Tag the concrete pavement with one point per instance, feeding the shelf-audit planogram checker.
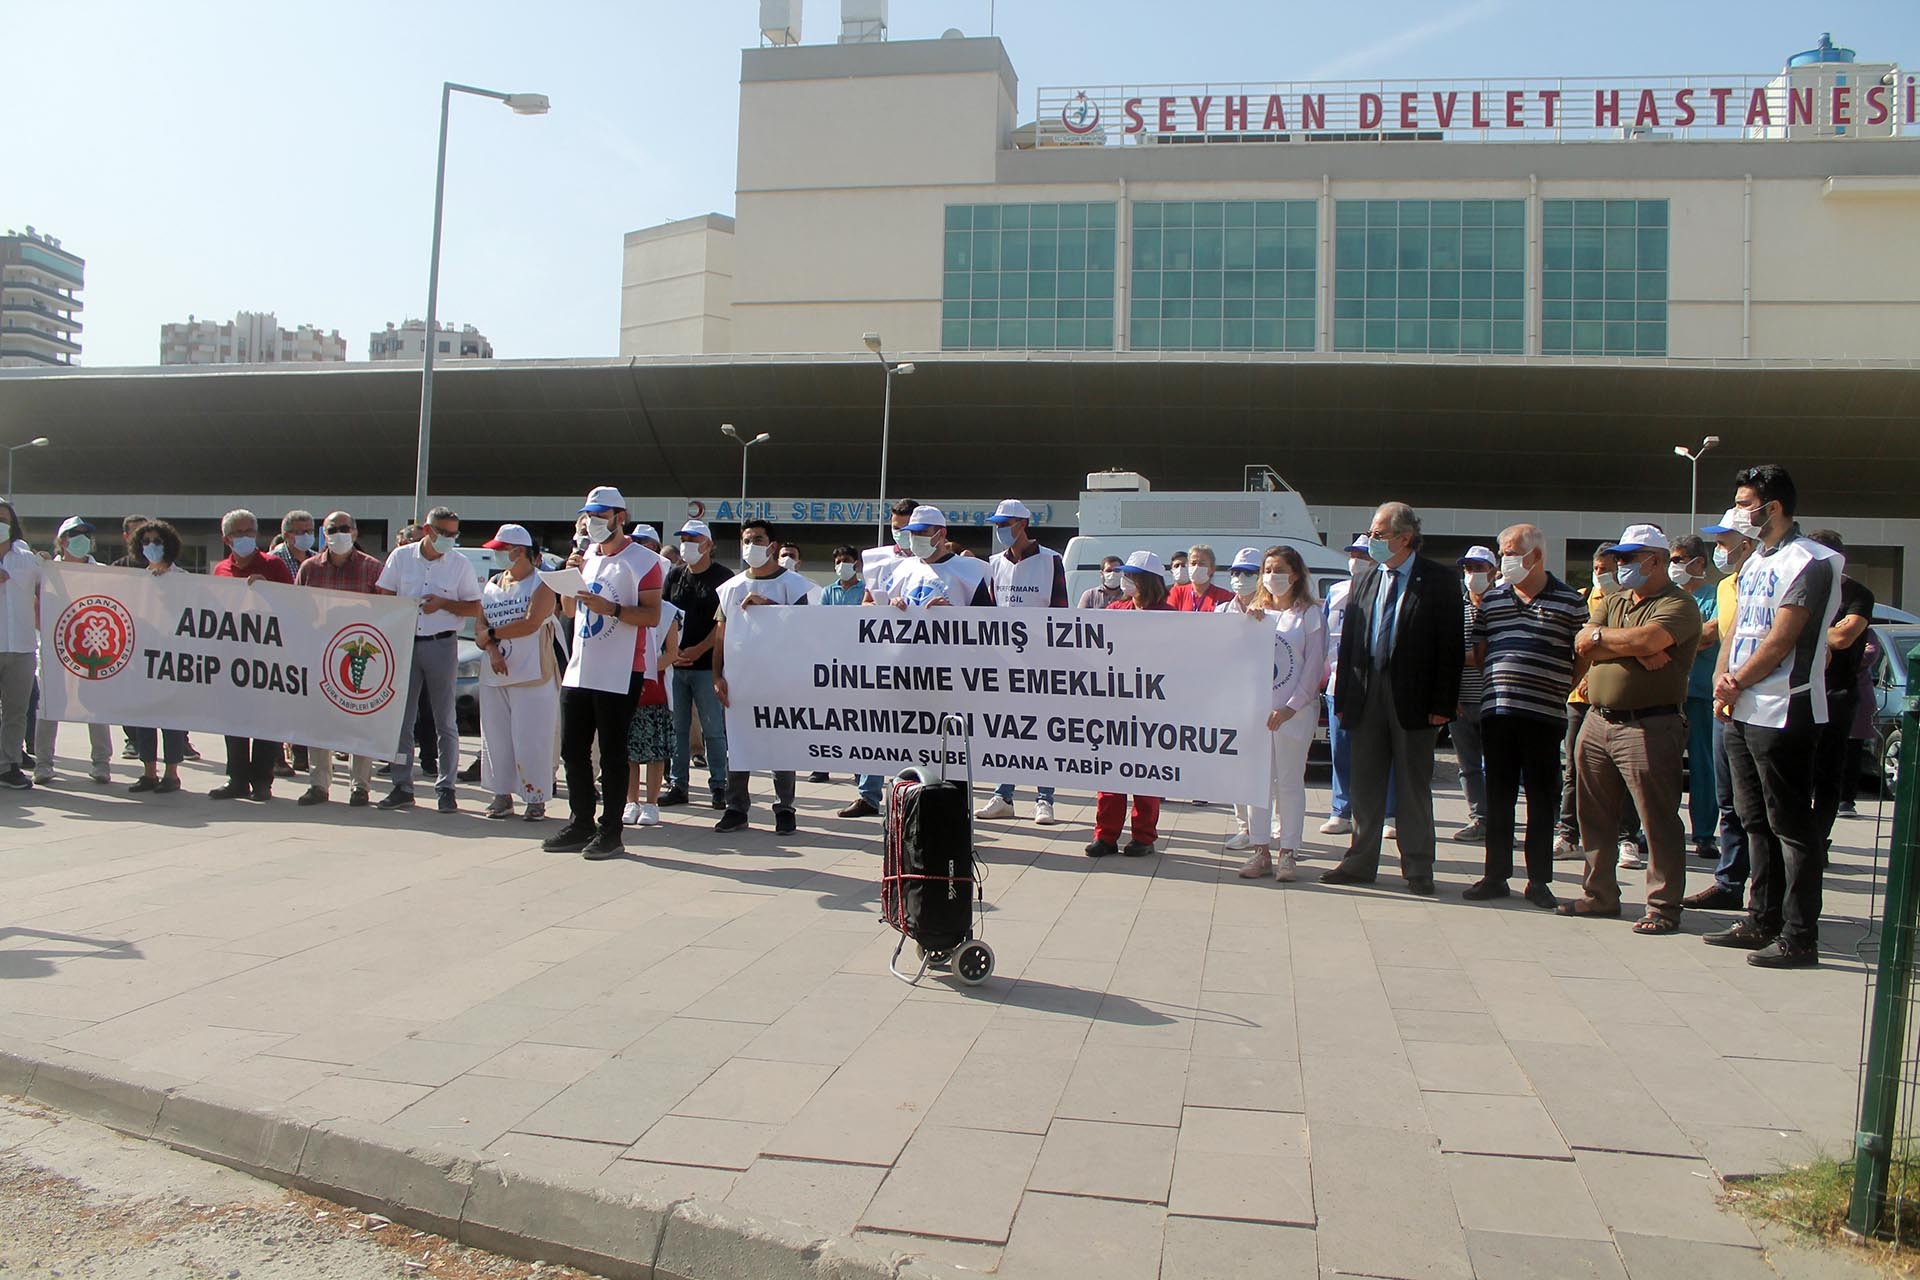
(1172, 1073)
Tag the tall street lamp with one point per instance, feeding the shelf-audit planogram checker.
(523, 104)
(726, 429)
(38, 442)
(886, 421)
(1693, 456)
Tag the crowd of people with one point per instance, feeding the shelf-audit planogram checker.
(1604, 705)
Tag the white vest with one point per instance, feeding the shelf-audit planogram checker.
(502, 604)
(1024, 584)
(1764, 582)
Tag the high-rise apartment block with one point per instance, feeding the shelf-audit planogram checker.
(251, 337)
(39, 284)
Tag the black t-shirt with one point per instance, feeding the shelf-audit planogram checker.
(1843, 665)
(697, 596)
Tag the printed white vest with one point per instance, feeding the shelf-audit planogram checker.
(1026, 584)
(1764, 582)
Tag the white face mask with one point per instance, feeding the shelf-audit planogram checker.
(79, 546)
(1179, 574)
(1128, 587)
(1277, 584)
(691, 551)
(1678, 575)
(755, 553)
(902, 539)
(340, 543)
(1605, 583)
(1110, 579)
(1479, 582)
(1743, 522)
(1200, 575)
(303, 542)
(598, 530)
(846, 571)
(1354, 564)
(6, 533)
(1513, 568)
(921, 544)
(788, 562)
(1243, 583)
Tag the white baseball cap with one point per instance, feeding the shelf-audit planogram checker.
(603, 499)
(696, 529)
(925, 518)
(1011, 509)
(645, 533)
(510, 535)
(1727, 523)
(1638, 538)
(74, 524)
(1482, 554)
(1246, 560)
(1144, 562)
(1359, 544)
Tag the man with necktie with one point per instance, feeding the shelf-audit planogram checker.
(1401, 654)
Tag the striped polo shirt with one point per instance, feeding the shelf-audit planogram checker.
(1529, 663)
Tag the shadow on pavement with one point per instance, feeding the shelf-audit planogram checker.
(37, 962)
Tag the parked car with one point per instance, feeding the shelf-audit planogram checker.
(1893, 673)
(1888, 613)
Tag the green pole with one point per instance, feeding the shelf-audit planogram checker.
(1886, 1036)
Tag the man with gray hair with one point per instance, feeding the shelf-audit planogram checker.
(250, 761)
(448, 589)
(1401, 654)
(296, 539)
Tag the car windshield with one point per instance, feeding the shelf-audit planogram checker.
(1899, 643)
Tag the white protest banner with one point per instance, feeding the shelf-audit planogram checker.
(185, 651)
(1161, 704)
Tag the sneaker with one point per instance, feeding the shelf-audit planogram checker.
(997, 807)
(572, 838)
(699, 761)
(536, 812)
(500, 809)
(129, 752)
(358, 799)
(1285, 867)
(311, 796)
(190, 751)
(630, 814)
(16, 780)
(1137, 848)
(1239, 840)
(1784, 955)
(1043, 813)
(1567, 849)
(471, 773)
(672, 796)
(236, 791)
(649, 816)
(1475, 832)
(1101, 849)
(858, 809)
(43, 777)
(731, 820)
(445, 803)
(1256, 867)
(1631, 859)
(1390, 832)
(784, 822)
(1336, 826)
(1848, 809)
(604, 845)
(100, 776)
(397, 799)
(1744, 936)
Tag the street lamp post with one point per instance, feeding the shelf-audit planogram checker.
(522, 104)
(38, 442)
(886, 421)
(1693, 457)
(726, 429)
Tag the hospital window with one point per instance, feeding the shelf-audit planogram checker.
(1603, 278)
(1223, 275)
(1028, 277)
(1440, 276)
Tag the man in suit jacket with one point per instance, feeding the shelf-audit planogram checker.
(1399, 680)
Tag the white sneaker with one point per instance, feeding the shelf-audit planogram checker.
(101, 776)
(1336, 826)
(1042, 812)
(998, 807)
(1283, 866)
(1390, 832)
(1239, 840)
(43, 777)
(649, 816)
(1630, 857)
(630, 815)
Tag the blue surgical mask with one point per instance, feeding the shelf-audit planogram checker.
(1379, 550)
(79, 546)
(1722, 559)
(244, 547)
(153, 551)
(303, 542)
(1003, 536)
(6, 533)
(1631, 577)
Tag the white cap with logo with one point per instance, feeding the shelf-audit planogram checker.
(696, 529)
(1011, 509)
(1638, 538)
(602, 499)
(925, 518)
(1143, 562)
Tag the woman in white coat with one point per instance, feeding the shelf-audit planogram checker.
(1285, 601)
(519, 690)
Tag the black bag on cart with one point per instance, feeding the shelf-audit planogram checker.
(932, 835)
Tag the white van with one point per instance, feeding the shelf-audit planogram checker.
(1120, 513)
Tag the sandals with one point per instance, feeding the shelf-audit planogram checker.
(1584, 907)
(1653, 924)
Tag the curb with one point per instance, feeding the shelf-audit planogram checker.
(470, 1197)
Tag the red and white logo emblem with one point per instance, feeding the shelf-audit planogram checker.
(94, 637)
(358, 673)
(1081, 114)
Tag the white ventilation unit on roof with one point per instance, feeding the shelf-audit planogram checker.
(780, 22)
(863, 21)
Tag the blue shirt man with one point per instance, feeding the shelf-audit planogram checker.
(846, 588)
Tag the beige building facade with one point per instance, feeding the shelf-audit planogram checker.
(251, 337)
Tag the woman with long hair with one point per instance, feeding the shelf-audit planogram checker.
(157, 546)
(1285, 602)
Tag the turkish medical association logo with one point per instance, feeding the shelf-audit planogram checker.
(94, 637)
(357, 675)
(591, 623)
(1081, 115)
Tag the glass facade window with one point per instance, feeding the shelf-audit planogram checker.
(1440, 276)
(1603, 278)
(1028, 277)
(1223, 275)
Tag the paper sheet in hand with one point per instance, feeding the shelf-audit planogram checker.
(565, 582)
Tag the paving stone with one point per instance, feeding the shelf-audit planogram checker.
(829, 1197)
(1246, 1165)
(1246, 1084)
(664, 1183)
(1377, 1091)
(418, 1061)
(1382, 1204)
(549, 1063)
(1660, 1258)
(1736, 1152)
(371, 1100)
(1523, 1197)
(1595, 1101)
(1430, 990)
(1498, 1255)
(568, 1155)
(1655, 1196)
(1000, 1091)
(754, 1090)
(1058, 1236)
(1448, 1028)
(1234, 1024)
(1494, 1125)
(961, 1183)
(1444, 1067)
(1132, 1086)
(717, 1144)
(1209, 1249)
(1096, 1158)
(615, 1103)
(472, 1111)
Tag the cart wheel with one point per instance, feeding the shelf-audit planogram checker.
(935, 959)
(973, 962)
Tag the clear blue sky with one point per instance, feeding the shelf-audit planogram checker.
(209, 159)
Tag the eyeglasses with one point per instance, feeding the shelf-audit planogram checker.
(447, 533)
(340, 528)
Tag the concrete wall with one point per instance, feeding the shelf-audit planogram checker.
(676, 288)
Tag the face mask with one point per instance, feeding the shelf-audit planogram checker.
(1110, 579)
(340, 543)
(1277, 584)
(788, 562)
(1003, 536)
(1353, 567)
(1722, 559)
(153, 552)
(598, 530)
(1631, 577)
(303, 542)
(846, 571)
(1179, 574)
(1200, 575)
(1605, 583)
(1745, 523)
(755, 554)
(1379, 550)
(690, 551)
(1243, 584)
(79, 546)
(920, 544)
(243, 547)
(1479, 582)
(1128, 587)
(6, 533)
(902, 539)
(1678, 575)
(1513, 568)
(443, 544)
